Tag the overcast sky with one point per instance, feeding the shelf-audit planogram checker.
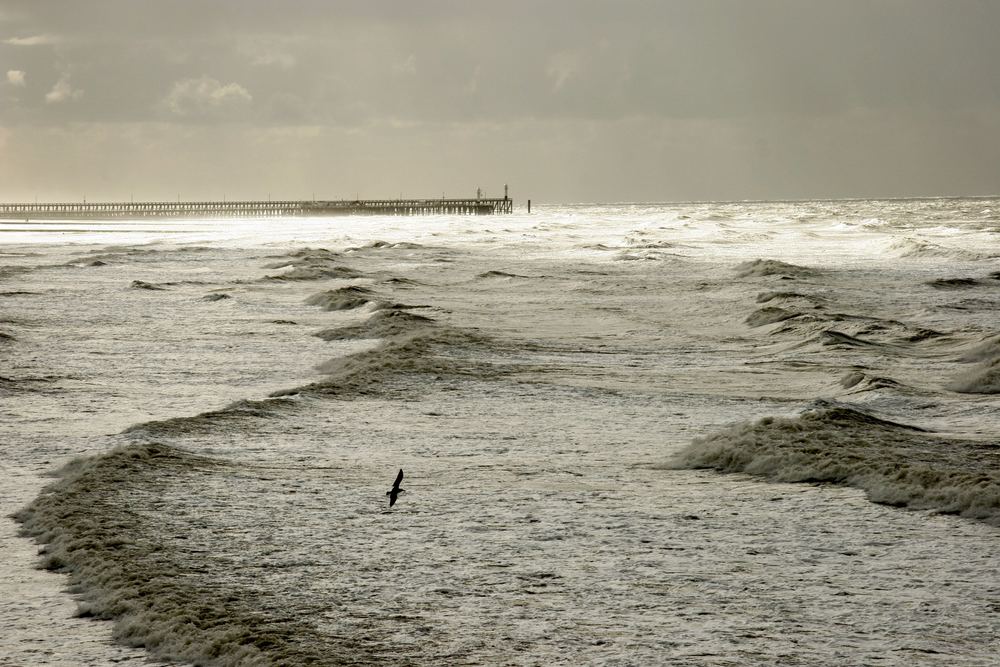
(565, 100)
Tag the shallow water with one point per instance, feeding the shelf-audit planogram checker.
(547, 383)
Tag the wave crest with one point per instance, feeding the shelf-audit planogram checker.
(234, 415)
(382, 324)
(954, 283)
(893, 463)
(344, 298)
(913, 247)
(769, 315)
(421, 348)
(984, 376)
(117, 566)
(773, 267)
(309, 264)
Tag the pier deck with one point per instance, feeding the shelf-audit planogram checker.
(254, 209)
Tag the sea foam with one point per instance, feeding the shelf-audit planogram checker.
(120, 572)
(893, 463)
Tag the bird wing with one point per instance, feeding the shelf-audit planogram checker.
(399, 478)
(392, 499)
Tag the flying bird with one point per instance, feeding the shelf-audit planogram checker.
(395, 491)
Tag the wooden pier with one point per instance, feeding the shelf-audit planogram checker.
(254, 209)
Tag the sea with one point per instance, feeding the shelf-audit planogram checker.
(686, 434)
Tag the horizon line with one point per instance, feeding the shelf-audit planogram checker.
(535, 202)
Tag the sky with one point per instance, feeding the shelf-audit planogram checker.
(564, 100)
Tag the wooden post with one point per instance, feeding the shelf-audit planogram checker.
(529, 207)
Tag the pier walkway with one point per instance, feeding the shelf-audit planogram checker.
(254, 209)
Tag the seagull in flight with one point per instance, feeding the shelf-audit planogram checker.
(395, 491)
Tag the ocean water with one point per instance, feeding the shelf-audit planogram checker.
(684, 434)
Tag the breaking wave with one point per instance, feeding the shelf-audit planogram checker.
(313, 272)
(985, 350)
(35, 384)
(344, 298)
(858, 381)
(121, 254)
(772, 267)
(769, 315)
(984, 376)
(954, 283)
(648, 243)
(385, 245)
(312, 254)
(893, 463)
(309, 264)
(499, 274)
(401, 282)
(11, 271)
(381, 324)
(124, 572)
(410, 346)
(141, 284)
(235, 415)
(766, 297)
(642, 254)
(983, 379)
(911, 247)
(836, 338)
(807, 317)
(8, 385)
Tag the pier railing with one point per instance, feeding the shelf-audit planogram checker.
(254, 209)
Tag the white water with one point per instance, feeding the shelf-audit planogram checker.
(541, 525)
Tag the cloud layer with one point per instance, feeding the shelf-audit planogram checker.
(576, 99)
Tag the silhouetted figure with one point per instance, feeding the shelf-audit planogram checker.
(395, 491)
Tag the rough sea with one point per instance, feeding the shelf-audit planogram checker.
(679, 434)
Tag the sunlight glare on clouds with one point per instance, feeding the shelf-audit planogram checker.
(33, 40)
(63, 91)
(205, 95)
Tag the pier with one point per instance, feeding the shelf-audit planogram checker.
(254, 209)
